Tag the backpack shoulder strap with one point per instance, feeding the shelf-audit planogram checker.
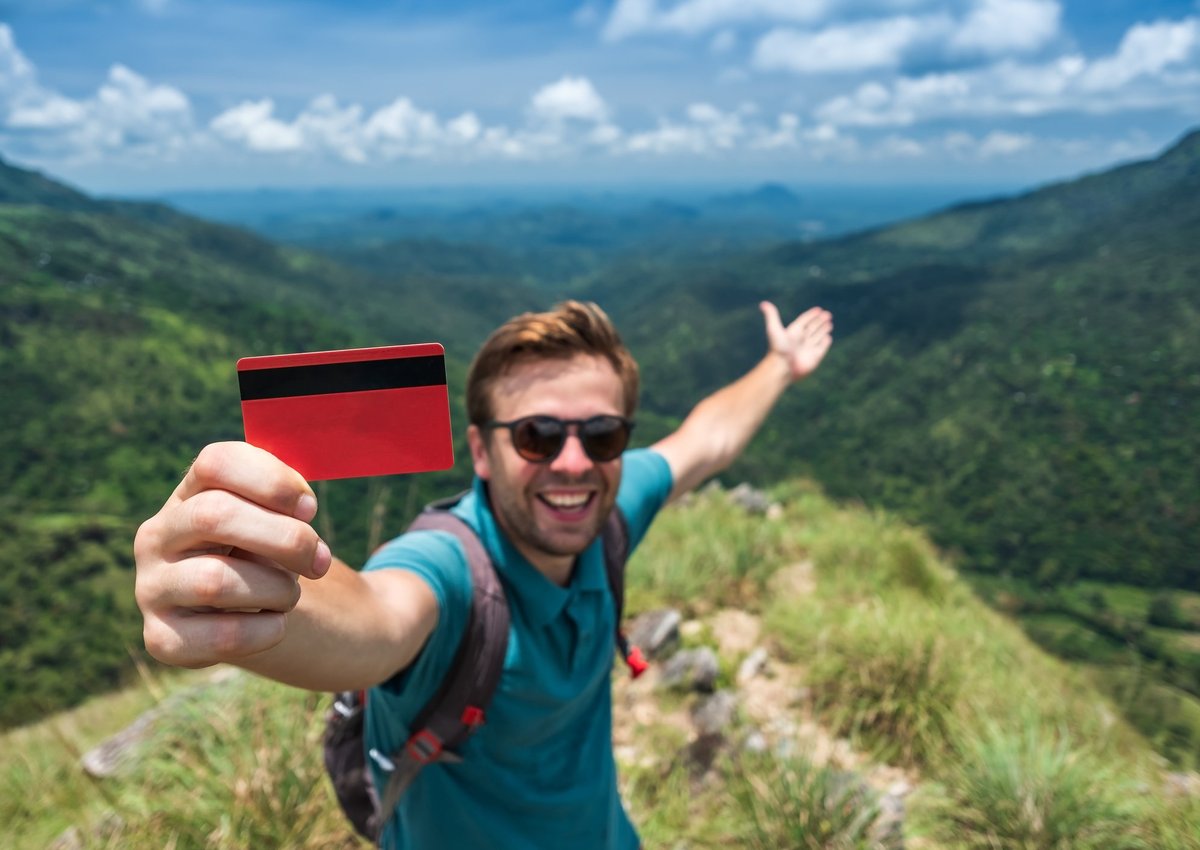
(459, 706)
(615, 537)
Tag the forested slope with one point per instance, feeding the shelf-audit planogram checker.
(120, 325)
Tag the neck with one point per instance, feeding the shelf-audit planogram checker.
(557, 569)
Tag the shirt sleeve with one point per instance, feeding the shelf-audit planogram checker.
(645, 487)
(437, 558)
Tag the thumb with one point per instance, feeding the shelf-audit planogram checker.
(775, 330)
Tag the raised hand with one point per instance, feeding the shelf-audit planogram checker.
(218, 566)
(803, 343)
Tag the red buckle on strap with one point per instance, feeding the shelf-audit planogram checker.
(636, 661)
(424, 746)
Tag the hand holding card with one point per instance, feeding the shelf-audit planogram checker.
(352, 413)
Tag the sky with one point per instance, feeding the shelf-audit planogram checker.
(143, 96)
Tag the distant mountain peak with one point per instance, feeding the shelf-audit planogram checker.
(768, 197)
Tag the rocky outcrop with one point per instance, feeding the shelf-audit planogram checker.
(764, 707)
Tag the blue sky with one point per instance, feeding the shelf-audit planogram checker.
(136, 96)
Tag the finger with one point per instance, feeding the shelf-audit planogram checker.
(774, 323)
(223, 583)
(216, 518)
(812, 321)
(186, 639)
(252, 473)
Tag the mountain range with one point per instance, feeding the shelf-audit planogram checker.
(1020, 375)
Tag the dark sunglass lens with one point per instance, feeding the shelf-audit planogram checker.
(538, 437)
(604, 437)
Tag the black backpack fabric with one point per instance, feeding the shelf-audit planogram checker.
(459, 707)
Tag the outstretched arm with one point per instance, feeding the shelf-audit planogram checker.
(230, 570)
(720, 426)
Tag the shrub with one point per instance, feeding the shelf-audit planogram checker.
(886, 674)
(797, 804)
(1028, 790)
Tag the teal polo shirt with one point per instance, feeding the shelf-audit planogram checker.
(540, 773)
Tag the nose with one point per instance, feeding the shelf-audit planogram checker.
(572, 460)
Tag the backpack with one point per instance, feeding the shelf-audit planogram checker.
(458, 708)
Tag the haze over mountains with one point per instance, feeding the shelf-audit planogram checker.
(1022, 376)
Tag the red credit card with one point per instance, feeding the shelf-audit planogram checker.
(347, 414)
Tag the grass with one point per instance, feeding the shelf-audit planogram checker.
(898, 655)
(796, 803)
(1030, 790)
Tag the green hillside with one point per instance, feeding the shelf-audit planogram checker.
(1021, 377)
(120, 325)
(989, 375)
(883, 671)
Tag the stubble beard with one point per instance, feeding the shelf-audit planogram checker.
(518, 520)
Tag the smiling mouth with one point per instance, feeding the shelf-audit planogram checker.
(567, 504)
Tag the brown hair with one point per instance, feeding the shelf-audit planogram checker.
(570, 329)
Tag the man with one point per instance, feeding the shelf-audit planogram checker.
(230, 570)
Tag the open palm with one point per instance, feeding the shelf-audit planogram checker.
(802, 343)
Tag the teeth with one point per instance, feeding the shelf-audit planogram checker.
(562, 500)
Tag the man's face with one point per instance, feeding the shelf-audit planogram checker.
(550, 511)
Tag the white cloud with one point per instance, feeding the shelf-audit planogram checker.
(863, 46)
(571, 98)
(402, 129)
(691, 17)
(668, 139)
(564, 116)
(996, 27)
(333, 128)
(1155, 65)
(1000, 143)
(991, 28)
(1149, 70)
(996, 144)
(1146, 49)
(898, 147)
(16, 72)
(874, 104)
(605, 135)
(465, 128)
(707, 130)
(782, 135)
(252, 123)
(127, 114)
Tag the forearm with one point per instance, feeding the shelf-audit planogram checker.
(344, 634)
(719, 428)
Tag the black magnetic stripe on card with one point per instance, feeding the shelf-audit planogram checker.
(321, 379)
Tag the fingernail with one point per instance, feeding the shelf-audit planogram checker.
(322, 559)
(306, 508)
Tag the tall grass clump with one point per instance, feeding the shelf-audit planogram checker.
(796, 804)
(1029, 789)
(43, 789)
(888, 677)
(237, 767)
(706, 550)
(1175, 824)
(867, 554)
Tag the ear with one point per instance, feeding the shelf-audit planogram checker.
(479, 453)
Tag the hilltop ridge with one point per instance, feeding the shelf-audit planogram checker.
(863, 697)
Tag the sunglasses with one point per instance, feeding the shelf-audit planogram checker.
(540, 439)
